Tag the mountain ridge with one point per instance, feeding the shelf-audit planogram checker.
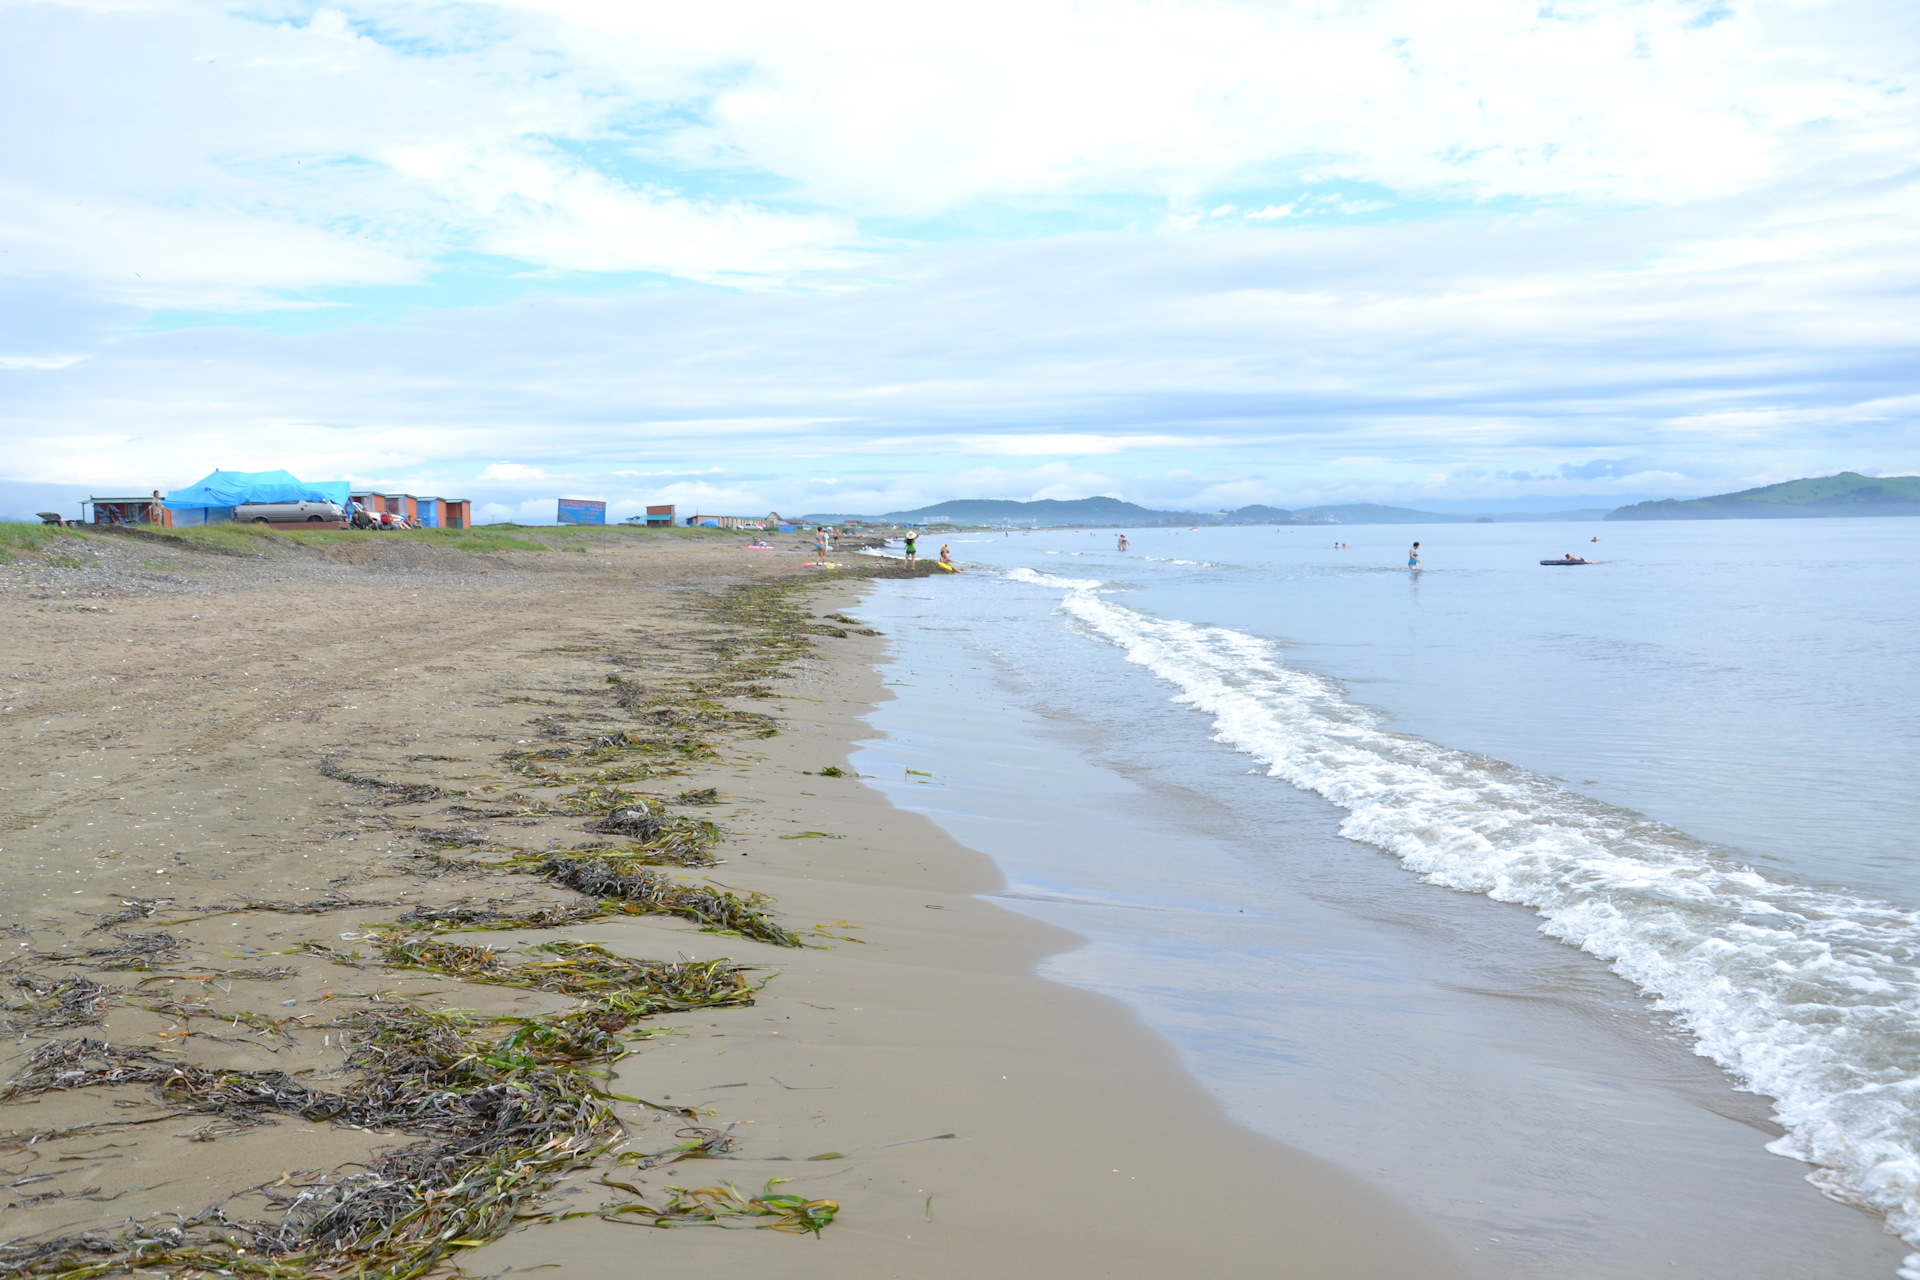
(1846, 494)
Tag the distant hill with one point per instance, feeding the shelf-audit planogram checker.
(1047, 511)
(1374, 513)
(1847, 494)
(1053, 513)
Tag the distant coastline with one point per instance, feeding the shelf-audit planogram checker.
(1846, 494)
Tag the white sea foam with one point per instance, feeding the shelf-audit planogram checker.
(1809, 996)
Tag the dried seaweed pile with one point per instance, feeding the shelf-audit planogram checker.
(393, 792)
(498, 1107)
(659, 837)
(503, 1106)
(625, 884)
(675, 723)
(43, 1003)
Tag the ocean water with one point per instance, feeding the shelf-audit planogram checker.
(1576, 907)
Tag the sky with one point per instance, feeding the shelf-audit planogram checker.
(861, 257)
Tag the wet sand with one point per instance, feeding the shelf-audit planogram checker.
(165, 729)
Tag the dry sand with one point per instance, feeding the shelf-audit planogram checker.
(979, 1120)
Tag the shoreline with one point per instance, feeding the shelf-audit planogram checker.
(1072, 1122)
(1068, 1120)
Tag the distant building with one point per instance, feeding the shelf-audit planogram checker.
(142, 510)
(725, 522)
(660, 517)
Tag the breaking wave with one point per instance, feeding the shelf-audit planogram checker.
(1809, 996)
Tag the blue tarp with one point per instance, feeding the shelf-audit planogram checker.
(231, 488)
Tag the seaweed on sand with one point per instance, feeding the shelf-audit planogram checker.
(135, 951)
(628, 885)
(463, 917)
(660, 838)
(503, 1107)
(396, 792)
(495, 1134)
(54, 1004)
(637, 821)
(633, 988)
(724, 1206)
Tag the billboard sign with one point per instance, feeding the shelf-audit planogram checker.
(582, 511)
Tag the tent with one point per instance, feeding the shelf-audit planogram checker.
(222, 491)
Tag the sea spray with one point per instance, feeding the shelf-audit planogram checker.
(1809, 996)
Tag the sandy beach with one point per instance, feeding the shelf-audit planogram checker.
(256, 801)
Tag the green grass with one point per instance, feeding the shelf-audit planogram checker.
(484, 538)
(250, 539)
(17, 535)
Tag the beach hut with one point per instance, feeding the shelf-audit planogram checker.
(660, 517)
(456, 513)
(150, 509)
(428, 510)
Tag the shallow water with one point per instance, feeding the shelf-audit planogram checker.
(1683, 760)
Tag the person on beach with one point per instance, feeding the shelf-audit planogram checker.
(913, 554)
(1413, 557)
(946, 558)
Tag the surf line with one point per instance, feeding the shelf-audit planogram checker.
(1734, 953)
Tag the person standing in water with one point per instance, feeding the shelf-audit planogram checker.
(1413, 557)
(1123, 542)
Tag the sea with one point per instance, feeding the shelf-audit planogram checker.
(1576, 908)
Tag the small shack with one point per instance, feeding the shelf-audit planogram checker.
(660, 517)
(427, 512)
(456, 513)
(146, 510)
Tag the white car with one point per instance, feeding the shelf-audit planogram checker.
(282, 512)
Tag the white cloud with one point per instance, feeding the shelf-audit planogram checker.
(39, 362)
(1620, 231)
(1058, 444)
(904, 109)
